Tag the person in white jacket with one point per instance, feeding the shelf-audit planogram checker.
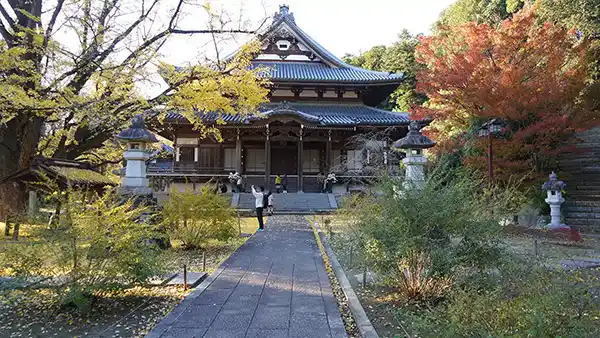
(259, 205)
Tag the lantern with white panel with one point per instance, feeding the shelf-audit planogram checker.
(414, 143)
(137, 137)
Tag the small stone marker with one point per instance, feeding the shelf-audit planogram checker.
(161, 280)
(193, 279)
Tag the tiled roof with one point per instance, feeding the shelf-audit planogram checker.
(332, 69)
(317, 71)
(82, 176)
(320, 114)
(66, 171)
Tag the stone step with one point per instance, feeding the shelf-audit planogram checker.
(576, 203)
(581, 170)
(581, 208)
(583, 192)
(582, 215)
(586, 198)
(579, 161)
(291, 202)
(580, 177)
(583, 224)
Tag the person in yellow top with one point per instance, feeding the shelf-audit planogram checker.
(278, 184)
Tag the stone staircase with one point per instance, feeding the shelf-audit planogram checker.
(581, 172)
(291, 203)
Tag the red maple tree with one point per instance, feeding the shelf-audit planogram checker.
(526, 74)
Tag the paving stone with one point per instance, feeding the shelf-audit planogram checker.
(197, 316)
(232, 321)
(310, 333)
(276, 299)
(241, 304)
(242, 290)
(300, 321)
(262, 333)
(210, 296)
(225, 282)
(308, 304)
(274, 286)
(271, 317)
(184, 332)
(223, 333)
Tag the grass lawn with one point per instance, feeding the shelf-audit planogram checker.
(384, 309)
(129, 313)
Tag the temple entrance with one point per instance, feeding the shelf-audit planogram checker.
(284, 158)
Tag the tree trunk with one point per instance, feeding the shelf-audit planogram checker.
(6, 226)
(19, 140)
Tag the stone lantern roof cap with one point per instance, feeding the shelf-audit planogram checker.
(553, 183)
(137, 132)
(414, 139)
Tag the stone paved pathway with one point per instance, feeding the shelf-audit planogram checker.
(275, 285)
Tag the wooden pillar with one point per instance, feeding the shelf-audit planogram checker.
(300, 160)
(328, 153)
(267, 159)
(238, 153)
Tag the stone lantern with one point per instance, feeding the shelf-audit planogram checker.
(414, 142)
(136, 137)
(554, 189)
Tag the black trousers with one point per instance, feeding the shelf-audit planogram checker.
(259, 215)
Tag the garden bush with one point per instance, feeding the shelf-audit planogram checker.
(197, 217)
(454, 223)
(98, 244)
(524, 301)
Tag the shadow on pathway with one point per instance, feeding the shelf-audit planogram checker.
(274, 285)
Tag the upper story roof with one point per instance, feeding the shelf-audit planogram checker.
(297, 71)
(295, 56)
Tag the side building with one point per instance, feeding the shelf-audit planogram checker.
(318, 104)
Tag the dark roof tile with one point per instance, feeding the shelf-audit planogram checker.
(317, 71)
(323, 114)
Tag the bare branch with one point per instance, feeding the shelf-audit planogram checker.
(6, 34)
(8, 18)
(213, 31)
(52, 22)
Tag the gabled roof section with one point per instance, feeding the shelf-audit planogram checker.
(328, 68)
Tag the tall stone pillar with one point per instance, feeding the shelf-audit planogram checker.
(413, 143)
(300, 160)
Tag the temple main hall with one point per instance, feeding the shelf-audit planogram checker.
(318, 104)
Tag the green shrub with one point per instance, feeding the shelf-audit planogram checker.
(99, 244)
(526, 302)
(196, 217)
(454, 221)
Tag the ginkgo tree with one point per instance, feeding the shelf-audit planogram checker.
(527, 75)
(70, 73)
